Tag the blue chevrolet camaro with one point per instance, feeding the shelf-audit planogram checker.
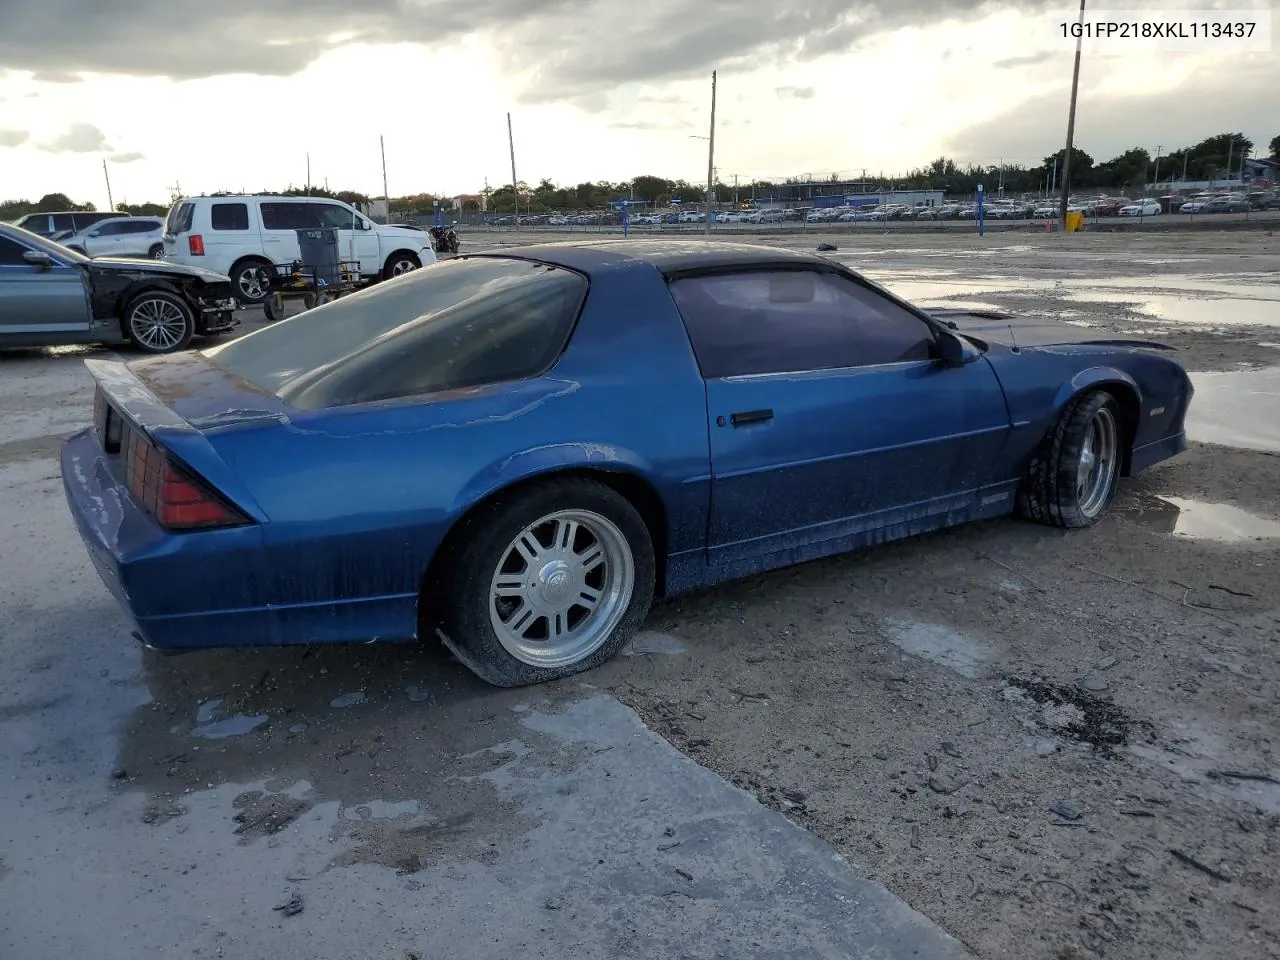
(516, 451)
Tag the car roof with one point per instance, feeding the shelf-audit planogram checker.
(667, 256)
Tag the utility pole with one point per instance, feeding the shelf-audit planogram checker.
(1001, 186)
(711, 156)
(386, 198)
(735, 191)
(308, 174)
(1071, 126)
(1053, 182)
(1156, 178)
(1231, 142)
(110, 203)
(515, 189)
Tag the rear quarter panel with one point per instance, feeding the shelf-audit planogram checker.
(357, 499)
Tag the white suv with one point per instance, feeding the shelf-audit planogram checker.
(241, 235)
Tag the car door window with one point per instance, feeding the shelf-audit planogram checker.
(140, 226)
(11, 253)
(63, 221)
(333, 216)
(229, 216)
(784, 321)
(289, 216)
(110, 228)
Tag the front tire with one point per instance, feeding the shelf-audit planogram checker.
(547, 582)
(1071, 480)
(400, 263)
(159, 322)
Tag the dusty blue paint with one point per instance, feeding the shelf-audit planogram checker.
(350, 504)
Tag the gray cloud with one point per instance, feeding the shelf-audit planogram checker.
(13, 138)
(797, 93)
(564, 48)
(131, 157)
(78, 138)
(56, 76)
(1029, 60)
(1107, 124)
(648, 125)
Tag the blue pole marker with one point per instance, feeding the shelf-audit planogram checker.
(439, 214)
(981, 222)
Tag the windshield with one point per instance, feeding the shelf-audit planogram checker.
(461, 323)
(48, 246)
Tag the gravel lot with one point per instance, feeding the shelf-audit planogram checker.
(1051, 745)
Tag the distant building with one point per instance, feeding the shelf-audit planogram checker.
(476, 200)
(1261, 169)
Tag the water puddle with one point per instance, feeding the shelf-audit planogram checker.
(1195, 520)
(647, 642)
(941, 645)
(1240, 408)
(1221, 311)
(347, 700)
(236, 726)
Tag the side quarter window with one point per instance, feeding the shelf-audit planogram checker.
(795, 320)
(11, 253)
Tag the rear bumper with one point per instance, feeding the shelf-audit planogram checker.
(195, 591)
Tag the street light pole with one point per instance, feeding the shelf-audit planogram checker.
(711, 156)
(1071, 125)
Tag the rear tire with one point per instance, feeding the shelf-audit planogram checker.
(547, 582)
(156, 252)
(158, 322)
(400, 263)
(249, 280)
(1072, 477)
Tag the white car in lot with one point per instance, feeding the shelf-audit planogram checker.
(243, 236)
(120, 237)
(1143, 208)
(1195, 205)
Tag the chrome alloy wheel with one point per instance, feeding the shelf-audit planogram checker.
(157, 324)
(1099, 463)
(561, 588)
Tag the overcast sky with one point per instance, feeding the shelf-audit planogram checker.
(232, 94)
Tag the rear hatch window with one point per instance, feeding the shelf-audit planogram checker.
(466, 322)
(180, 217)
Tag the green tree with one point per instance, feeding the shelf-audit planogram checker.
(142, 209)
(1129, 170)
(1275, 148)
(60, 202)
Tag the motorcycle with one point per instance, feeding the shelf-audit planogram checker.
(443, 239)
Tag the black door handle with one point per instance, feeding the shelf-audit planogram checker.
(750, 416)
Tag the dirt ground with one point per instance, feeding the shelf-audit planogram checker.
(1057, 746)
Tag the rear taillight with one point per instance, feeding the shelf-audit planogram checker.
(195, 243)
(177, 500)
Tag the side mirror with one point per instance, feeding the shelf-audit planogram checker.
(38, 258)
(956, 351)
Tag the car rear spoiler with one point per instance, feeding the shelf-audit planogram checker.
(188, 445)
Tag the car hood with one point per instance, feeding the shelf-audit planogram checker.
(121, 264)
(411, 232)
(1029, 330)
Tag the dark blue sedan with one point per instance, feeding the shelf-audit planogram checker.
(516, 451)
